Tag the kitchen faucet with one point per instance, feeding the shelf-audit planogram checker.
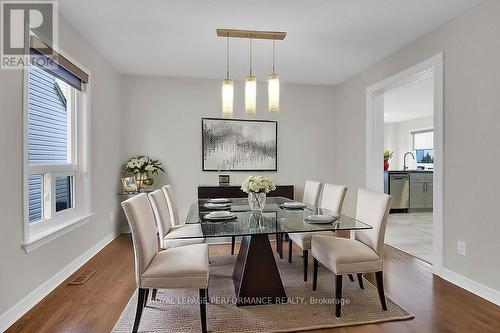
(404, 160)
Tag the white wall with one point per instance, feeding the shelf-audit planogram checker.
(397, 139)
(163, 120)
(471, 124)
(21, 273)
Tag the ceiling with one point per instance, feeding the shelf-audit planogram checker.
(412, 101)
(328, 41)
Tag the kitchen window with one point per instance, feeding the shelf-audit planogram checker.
(423, 145)
(56, 179)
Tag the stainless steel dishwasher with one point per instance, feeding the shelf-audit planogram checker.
(399, 188)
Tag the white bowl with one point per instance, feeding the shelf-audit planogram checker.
(221, 214)
(218, 200)
(294, 204)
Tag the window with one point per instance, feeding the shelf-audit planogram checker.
(56, 153)
(423, 145)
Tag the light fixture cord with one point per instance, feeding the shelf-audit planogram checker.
(250, 56)
(274, 72)
(227, 59)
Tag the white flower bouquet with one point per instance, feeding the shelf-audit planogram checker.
(257, 184)
(141, 164)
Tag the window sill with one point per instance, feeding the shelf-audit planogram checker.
(46, 236)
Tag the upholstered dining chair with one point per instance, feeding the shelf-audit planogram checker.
(363, 254)
(184, 267)
(169, 234)
(312, 192)
(168, 190)
(332, 198)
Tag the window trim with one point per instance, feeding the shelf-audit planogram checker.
(39, 233)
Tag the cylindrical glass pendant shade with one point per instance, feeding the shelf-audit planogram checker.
(273, 90)
(227, 97)
(250, 94)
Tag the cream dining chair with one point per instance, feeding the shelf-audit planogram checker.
(170, 234)
(363, 254)
(184, 267)
(331, 198)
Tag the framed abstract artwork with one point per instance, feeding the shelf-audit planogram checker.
(239, 145)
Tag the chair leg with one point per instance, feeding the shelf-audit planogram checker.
(305, 257)
(153, 294)
(290, 244)
(146, 298)
(338, 294)
(281, 246)
(379, 276)
(351, 277)
(315, 273)
(140, 307)
(208, 296)
(203, 310)
(233, 240)
(360, 280)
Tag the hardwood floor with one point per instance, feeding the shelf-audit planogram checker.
(438, 306)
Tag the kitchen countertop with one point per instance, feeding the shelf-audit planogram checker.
(409, 171)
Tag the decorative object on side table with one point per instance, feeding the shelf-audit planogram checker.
(224, 178)
(387, 156)
(142, 167)
(257, 187)
(129, 184)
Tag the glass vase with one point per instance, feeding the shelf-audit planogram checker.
(257, 201)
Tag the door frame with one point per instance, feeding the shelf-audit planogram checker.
(375, 140)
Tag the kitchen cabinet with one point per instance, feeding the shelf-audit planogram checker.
(421, 187)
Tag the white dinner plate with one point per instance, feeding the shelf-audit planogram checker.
(214, 216)
(321, 218)
(218, 200)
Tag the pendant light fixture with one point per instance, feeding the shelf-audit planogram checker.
(273, 87)
(251, 80)
(227, 88)
(250, 89)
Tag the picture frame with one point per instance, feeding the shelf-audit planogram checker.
(241, 144)
(129, 184)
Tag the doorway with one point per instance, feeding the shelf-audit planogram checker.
(426, 191)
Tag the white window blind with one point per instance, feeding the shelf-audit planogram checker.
(423, 139)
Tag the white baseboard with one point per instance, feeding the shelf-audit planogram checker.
(474, 287)
(17, 311)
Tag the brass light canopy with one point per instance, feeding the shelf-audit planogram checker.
(254, 34)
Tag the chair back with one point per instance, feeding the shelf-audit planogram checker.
(373, 209)
(168, 190)
(141, 220)
(312, 190)
(161, 212)
(332, 197)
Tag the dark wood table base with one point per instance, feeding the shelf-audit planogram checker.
(256, 276)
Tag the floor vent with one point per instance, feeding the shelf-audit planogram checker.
(82, 277)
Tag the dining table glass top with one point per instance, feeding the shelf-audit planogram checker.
(274, 219)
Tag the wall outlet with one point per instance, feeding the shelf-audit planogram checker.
(112, 215)
(461, 248)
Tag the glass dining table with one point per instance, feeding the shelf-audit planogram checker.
(256, 276)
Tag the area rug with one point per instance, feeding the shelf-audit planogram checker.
(178, 310)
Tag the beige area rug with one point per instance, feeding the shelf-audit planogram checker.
(178, 310)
